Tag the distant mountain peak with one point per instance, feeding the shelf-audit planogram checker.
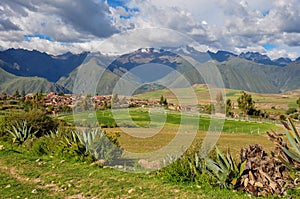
(221, 55)
(282, 61)
(258, 58)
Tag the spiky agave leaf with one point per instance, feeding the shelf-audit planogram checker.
(21, 132)
(225, 169)
(294, 141)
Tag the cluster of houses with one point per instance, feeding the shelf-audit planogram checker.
(57, 102)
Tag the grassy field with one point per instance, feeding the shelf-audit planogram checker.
(235, 133)
(25, 176)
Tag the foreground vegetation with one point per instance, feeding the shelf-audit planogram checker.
(25, 175)
(43, 156)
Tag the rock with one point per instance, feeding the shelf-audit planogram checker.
(131, 190)
(2, 147)
(149, 165)
(8, 186)
(100, 162)
(34, 191)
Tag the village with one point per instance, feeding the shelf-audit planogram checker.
(55, 103)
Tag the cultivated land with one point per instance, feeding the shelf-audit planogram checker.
(27, 175)
(235, 133)
(280, 102)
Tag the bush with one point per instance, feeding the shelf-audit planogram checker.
(291, 111)
(37, 119)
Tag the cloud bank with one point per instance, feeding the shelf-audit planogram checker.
(57, 26)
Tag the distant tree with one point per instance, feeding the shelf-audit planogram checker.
(246, 103)
(229, 107)
(17, 94)
(291, 111)
(298, 102)
(163, 101)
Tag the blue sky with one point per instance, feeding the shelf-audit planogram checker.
(268, 27)
(115, 3)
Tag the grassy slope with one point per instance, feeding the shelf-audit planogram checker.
(20, 174)
(10, 83)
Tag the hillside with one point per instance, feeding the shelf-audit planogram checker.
(10, 83)
(34, 63)
(251, 72)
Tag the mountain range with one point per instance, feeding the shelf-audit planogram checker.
(32, 71)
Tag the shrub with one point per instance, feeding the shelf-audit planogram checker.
(291, 111)
(40, 122)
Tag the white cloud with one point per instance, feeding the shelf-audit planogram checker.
(75, 25)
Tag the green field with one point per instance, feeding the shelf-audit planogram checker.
(137, 120)
(141, 117)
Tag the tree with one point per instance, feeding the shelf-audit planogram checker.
(298, 102)
(246, 103)
(163, 101)
(291, 111)
(229, 107)
(17, 94)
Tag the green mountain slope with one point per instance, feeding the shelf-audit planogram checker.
(241, 74)
(10, 83)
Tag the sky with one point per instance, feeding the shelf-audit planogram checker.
(270, 27)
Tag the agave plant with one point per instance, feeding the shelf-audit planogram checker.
(225, 170)
(98, 144)
(288, 153)
(73, 142)
(21, 132)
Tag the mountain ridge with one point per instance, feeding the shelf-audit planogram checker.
(248, 71)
